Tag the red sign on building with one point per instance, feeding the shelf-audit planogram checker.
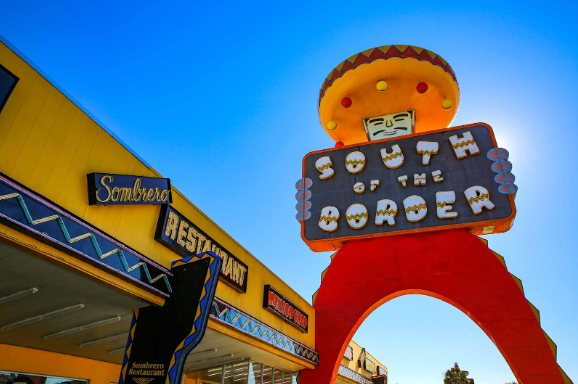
(276, 303)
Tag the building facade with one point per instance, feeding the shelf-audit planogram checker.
(78, 255)
(359, 366)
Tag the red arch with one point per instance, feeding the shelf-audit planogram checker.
(453, 266)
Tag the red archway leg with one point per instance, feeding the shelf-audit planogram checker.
(453, 266)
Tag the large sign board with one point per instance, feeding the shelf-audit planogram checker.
(110, 189)
(452, 178)
(276, 303)
(179, 234)
(161, 338)
(7, 84)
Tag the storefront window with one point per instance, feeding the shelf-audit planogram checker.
(290, 378)
(255, 370)
(236, 373)
(246, 372)
(278, 376)
(208, 376)
(7, 377)
(267, 375)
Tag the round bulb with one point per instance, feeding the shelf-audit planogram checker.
(381, 85)
(339, 144)
(346, 102)
(421, 87)
(331, 125)
(447, 104)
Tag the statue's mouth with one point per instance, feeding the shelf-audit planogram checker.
(384, 132)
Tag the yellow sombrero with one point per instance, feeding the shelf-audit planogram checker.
(385, 80)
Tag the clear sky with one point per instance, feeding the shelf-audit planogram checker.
(221, 98)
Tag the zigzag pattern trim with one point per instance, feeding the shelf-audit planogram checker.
(385, 52)
(352, 375)
(231, 316)
(89, 235)
(416, 207)
(354, 162)
(356, 216)
(327, 219)
(143, 380)
(386, 212)
(71, 240)
(324, 167)
(127, 350)
(551, 343)
(479, 198)
(463, 144)
(392, 156)
(202, 313)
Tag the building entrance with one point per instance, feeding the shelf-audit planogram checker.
(241, 372)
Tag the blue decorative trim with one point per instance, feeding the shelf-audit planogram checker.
(129, 341)
(231, 316)
(168, 317)
(53, 225)
(203, 311)
(65, 93)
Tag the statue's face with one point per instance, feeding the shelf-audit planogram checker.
(391, 125)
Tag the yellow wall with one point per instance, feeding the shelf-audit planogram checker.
(188, 380)
(352, 364)
(49, 145)
(27, 360)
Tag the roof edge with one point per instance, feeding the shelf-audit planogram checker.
(110, 132)
(74, 101)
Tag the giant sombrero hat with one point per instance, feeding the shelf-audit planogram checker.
(384, 80)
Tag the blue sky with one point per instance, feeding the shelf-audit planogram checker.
(221, 98)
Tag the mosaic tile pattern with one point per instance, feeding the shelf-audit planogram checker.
(33, 215)
(352, 375)
(231, 316)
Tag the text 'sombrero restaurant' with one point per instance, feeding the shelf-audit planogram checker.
(110, 274)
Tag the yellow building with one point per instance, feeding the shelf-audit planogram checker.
(74, 272)
(359, 366)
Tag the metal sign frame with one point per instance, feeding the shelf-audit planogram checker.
(495, 221)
